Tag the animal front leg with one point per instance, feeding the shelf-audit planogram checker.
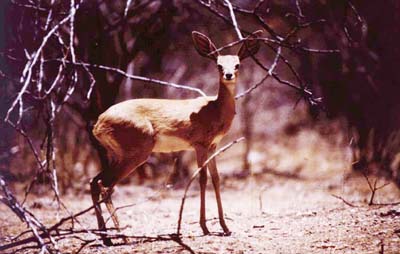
(212, 167)
(201, 158)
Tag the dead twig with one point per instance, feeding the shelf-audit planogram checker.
(373, 188)
(344, 200)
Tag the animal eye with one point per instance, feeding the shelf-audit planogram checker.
(237, 66)
(219, 67)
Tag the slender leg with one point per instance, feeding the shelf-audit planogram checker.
(136, 146)
(212, 167)
(201, 155)
(96, 191)
(103, 184)
(106, 193)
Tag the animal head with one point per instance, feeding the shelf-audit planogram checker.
(228, 65)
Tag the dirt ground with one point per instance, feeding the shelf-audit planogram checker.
(285, 206)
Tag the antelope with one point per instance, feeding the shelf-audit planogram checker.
(131, 130)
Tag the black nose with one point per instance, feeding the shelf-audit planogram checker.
(228, 76)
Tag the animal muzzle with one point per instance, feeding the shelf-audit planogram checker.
(229, 76)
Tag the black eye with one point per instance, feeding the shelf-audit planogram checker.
(219, 67)
(237, 66)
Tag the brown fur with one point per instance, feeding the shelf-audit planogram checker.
(131, 130)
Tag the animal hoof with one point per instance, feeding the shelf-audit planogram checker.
(205, 231)
(107, 242)
(227, 233)
(126, 240)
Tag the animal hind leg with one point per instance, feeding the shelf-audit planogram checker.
(120, 171)
(125, 161)
(106, 193)
(95, 189)
(102, 187)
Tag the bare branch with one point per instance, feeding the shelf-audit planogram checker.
(27, 73)
(131, 76)
(299, 10)
(34, 224)
(269, 73)
(373, 188)
(234, 21)
(71, 43)
(297, 46)
(128, 2)
(344, 200)
(234, 43)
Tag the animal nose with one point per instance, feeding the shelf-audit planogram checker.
(228, 76)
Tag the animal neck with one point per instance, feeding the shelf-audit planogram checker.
(226, 91)
(226, 98)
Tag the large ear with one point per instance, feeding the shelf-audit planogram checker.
(250, 46)
(204, 45)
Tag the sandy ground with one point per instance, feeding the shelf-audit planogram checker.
(278, 209)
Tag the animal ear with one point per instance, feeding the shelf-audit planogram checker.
(204, 45)
(250, 46)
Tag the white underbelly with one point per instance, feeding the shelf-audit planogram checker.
(167, 144)
(217, 139)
